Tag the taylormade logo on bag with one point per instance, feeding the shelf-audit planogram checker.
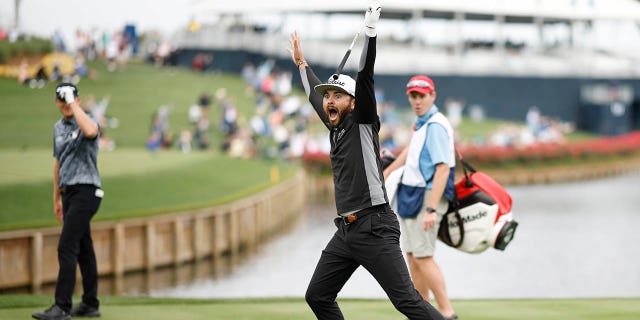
(467, 219)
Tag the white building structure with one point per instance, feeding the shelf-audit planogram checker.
(548, 38)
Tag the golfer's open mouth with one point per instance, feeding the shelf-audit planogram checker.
(333, 113)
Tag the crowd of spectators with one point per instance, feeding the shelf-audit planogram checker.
(283, 125)
(538, 128)
(279, 125)
(69, 63)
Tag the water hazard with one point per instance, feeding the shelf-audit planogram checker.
(574, 240)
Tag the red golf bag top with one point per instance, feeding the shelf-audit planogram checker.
(480, 182)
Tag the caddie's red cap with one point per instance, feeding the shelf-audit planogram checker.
(421, 84)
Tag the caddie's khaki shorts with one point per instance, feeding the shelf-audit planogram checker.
(414, 239)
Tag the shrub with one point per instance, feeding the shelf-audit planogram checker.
(623, 145)
(30, 46)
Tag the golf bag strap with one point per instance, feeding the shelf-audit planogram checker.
(456, 212)
(456, 202)
(466, 168)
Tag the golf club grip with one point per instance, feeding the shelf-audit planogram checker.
(342, 63)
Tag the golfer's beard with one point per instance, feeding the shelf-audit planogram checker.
(343, 114)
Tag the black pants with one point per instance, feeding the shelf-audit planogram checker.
(80, 204)
(372, 241)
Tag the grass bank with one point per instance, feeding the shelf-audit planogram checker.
(124, 308)
(137, 183)
(27, 115)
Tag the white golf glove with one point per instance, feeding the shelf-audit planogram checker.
(67, 94)
(371, 18)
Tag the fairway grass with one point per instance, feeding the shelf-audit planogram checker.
(137, 183)
(36, 165)
(125, 308)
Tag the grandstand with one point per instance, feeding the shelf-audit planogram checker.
(479, 37)
(504, 55)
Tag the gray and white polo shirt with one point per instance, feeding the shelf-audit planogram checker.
(77, 155)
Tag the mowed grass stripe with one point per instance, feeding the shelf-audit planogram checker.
(123, 308)
(36, 165)
(200, 182)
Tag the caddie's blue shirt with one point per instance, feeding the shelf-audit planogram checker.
(436, 146)
(76, 154)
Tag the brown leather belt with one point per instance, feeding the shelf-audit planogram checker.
(353, 217)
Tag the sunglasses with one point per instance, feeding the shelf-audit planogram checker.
(419, 83)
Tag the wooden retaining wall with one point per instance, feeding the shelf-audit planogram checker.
(29, 257)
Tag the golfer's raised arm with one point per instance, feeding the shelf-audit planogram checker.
(365, 110)
(309, 79)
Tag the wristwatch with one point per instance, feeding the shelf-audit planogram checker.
(430, 210)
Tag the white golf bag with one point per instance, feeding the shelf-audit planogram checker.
(483, 217)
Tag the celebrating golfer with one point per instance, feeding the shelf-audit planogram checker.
(367, 229)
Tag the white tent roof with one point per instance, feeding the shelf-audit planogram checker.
(548, 9)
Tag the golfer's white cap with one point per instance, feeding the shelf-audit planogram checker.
(343, 83)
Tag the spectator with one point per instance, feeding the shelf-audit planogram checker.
(160, 136)
(533, 120)
(23, 73)
(164, 49)
(80, 67)
(58, 42)
(204, 101)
